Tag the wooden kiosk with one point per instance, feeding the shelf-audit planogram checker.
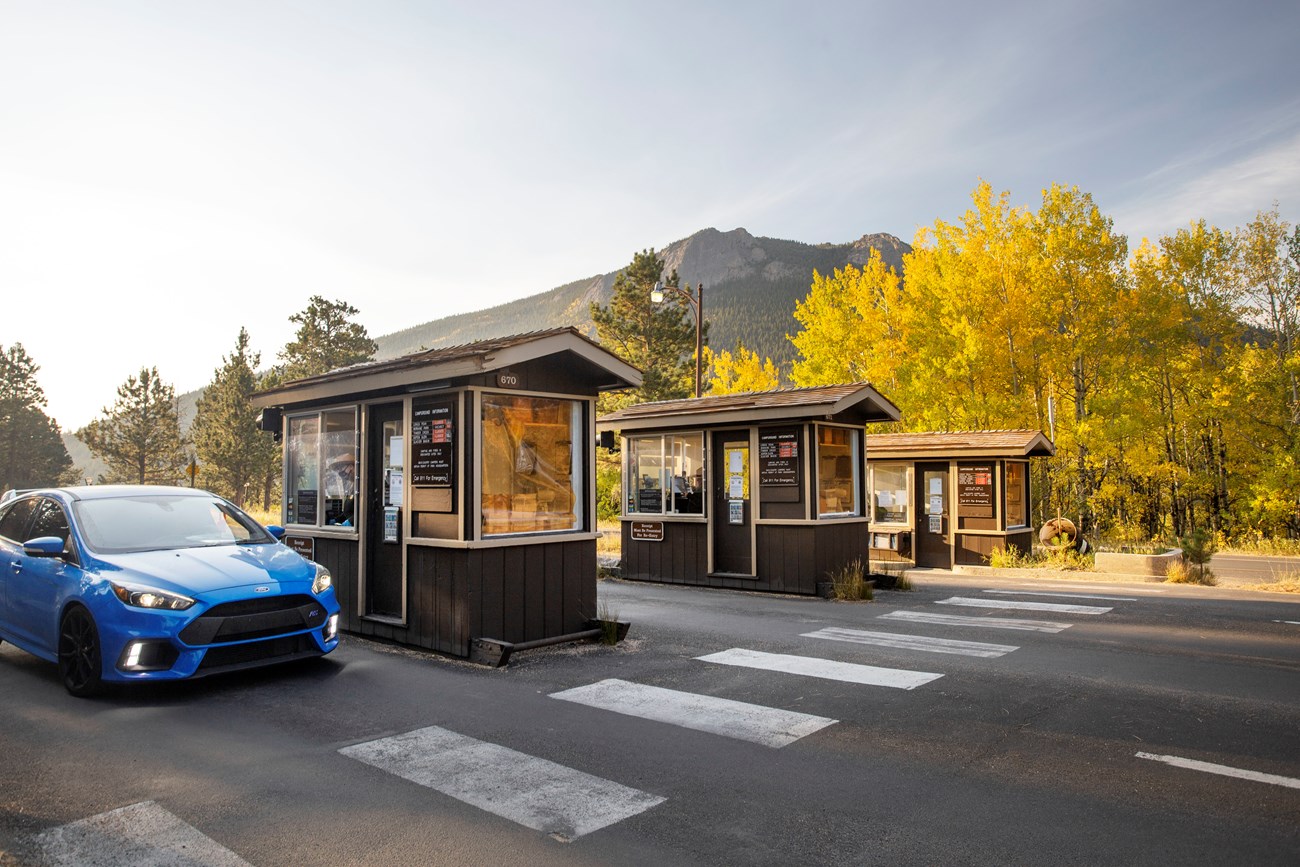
(757, 491)
(451, 492)
(941, 499)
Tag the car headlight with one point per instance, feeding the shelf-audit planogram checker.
(323, 580)
(147, 597)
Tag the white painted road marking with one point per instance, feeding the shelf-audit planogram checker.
(1023, 606)
(1102, 588)
(1288, 622)
(826, 669)
(533, 792)
(985, 622)
(142, 835)
(1223, 770)
(1059, 595)
(913, 642)
(769, 726)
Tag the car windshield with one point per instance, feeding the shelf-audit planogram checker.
(155, 522)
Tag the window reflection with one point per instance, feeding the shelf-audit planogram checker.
(528, 464)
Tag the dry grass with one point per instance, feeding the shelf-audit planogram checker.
(849, 582)
(270, 516)
(1180, 573)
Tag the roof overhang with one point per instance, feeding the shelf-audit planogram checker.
(860, 406)
(433, 370)
(974, 444)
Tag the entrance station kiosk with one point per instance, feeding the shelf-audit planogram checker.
(940, 499)
(451, 493)
(757, 491)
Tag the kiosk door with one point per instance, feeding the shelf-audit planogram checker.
(383, 513)
(932, 516)
(732, 518)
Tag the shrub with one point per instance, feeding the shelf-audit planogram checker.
(1198, 548)
(850, 582)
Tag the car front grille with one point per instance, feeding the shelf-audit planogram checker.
(257, 653)
(250, 619)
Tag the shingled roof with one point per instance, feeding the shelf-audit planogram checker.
(453, 361)
(854, 402)
(975, 443)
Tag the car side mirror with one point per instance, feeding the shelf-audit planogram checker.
(43, 546)
(275, 530)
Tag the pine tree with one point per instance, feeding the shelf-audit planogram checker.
(234, 452)
(32, 453)
(139, 437)
(326, 340)
(657, 339)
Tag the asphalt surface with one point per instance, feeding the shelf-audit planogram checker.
(1255, 568)
(1027, 758)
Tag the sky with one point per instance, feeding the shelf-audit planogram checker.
(173, 171)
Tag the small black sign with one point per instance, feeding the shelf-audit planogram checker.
(306, 500)
(778, 458)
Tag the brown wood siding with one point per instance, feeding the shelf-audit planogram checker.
(517, 593)
(681, 558)
(343, 558)
(975, 550)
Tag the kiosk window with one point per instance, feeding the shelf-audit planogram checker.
(531, 464)
(320, 482)
(889, 486)
(665, 474)
(837, 471)
(1017, 494)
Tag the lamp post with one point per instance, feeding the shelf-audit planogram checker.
(696, 303)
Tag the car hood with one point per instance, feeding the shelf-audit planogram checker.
(193, 571)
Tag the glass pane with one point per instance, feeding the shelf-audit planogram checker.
(529, 460)
(889, 495)
(685, 455)
(302, 468)
(645, 474)
(340, 452)
(1016, 495)
(837, 485)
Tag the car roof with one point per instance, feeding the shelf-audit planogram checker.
(108, 492)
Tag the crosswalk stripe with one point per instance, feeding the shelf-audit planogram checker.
(1023, 606)
(1223, 770)
(913, 642)
(530, 791)
(142, 833)
(826, 669)
(1101, 588)
(1059, 595)
(769, 726)
(985, 622)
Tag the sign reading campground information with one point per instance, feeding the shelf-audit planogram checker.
(433, 444)
(975, 490)
(778, 457)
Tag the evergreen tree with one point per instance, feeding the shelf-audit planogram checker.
(657, 339)
(139, 437)
(32, 453)
(234, 451)
(326, 340)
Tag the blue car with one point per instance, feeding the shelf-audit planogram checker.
(119, 584)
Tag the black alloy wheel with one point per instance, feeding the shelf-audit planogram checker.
(80, 664)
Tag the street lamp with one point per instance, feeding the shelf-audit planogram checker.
(696, 303)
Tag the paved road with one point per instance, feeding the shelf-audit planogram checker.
(972, 721)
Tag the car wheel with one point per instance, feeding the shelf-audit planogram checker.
(80, 664)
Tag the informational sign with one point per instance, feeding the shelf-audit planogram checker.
(936, 504)
(396, 479)
(306, 502)
(508, 380)
(736, 512)
(304, 545)
(391, 515)
(649, 500)
(647, 531)
(736, 487)
(975, 490)
(433, 443)
(396, 451)
(936, 525)
(778, 458)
